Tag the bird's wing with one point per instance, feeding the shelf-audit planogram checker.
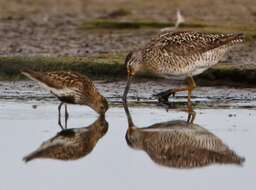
(167, 125)
(186, 147)
(69, 83)
(194, 136)
(62, 138)
(54, 146)
(63, 79)
(184, 43)
(66, 145)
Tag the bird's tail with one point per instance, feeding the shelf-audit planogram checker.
(237, 38)
(33, 75)
(239, 160)
(235, 159)
(33, 155)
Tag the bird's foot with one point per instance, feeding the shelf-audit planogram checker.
(163, 99)
(168, 105)
(163, 96)
(191, 116)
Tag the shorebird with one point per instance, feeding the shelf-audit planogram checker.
(180, 145)
(179, 20)
(70, 88)
(179, 55)
(71, 144)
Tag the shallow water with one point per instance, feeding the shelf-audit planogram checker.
(141, 93)
(113, 164)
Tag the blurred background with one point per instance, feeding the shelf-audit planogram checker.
(93, 37)
(52, 34)
(76, 27)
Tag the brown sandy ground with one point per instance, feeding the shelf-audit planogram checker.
(70, 28)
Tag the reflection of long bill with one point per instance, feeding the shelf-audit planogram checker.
(191, 113)
(130, 122)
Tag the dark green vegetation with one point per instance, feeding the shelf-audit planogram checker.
(112, 24)
(106, 24)
(97, 68)
(112, 68)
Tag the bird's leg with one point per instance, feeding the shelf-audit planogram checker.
(191, 112)
(191, 115)
(59, 121)
(163, 98)
(66, 116)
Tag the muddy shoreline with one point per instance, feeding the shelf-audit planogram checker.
(111, 67)
(141, 94)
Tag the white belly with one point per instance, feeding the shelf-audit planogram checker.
(175, 77)
(198, 71)
(207, 60)
(198, 64)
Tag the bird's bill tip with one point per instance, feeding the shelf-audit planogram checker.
(26, 159)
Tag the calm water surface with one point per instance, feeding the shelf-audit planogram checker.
(113, 164)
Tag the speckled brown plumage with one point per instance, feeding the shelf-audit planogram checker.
(70, 87)
(71, 144)
(181, 145)
(66, 84)
(180, 55)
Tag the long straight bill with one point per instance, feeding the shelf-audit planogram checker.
(130, 122)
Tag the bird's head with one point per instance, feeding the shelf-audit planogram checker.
(101, 125)
(134, 138)
(101, 105)
(133, 62)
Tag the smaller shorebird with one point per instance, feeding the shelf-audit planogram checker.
(70, 88)
(180, 145)
(179, 20)
(71, 144)
(179, 55)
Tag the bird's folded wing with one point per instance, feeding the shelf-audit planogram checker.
(189, 43)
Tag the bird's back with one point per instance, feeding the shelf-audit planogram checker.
(177, 144)
(71, 144)
(183, 52)
(70, 87)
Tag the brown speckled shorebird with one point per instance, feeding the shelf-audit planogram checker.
(70, 88)
(180, 145)
(179, 55)
(71, 144)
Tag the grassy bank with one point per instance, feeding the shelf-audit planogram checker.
(96, 68)
(118, 25)
(108, 24)
(112, 68)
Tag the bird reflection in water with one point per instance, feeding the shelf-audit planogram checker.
(71, 144)
(180, 144)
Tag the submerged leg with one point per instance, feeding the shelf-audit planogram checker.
(191, 112)
(66, 116)
(59, 110)
(163, 97)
